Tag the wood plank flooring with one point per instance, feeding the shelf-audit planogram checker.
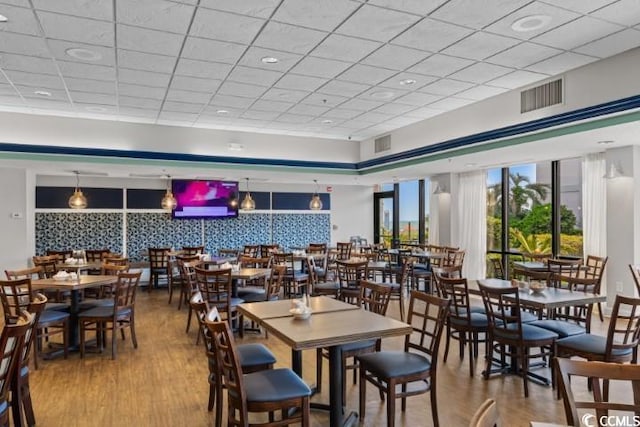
(164, 382)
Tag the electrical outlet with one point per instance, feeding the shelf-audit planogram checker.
(618, 286)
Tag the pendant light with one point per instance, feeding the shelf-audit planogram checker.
(168, 201)
(248, 204)
(316, 203)
(77, 199)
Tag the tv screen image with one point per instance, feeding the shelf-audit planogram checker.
(205, 199)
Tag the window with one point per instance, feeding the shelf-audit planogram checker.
(571, 207)
(409, 212)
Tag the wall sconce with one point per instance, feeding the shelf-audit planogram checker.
(438, 189)
(614, 172)
(248, 204)
(77, 199)
(316, 203)
(169, 202)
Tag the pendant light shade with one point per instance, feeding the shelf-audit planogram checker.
(168, 201)
(77, 199)
(248, 204)
(316, 203)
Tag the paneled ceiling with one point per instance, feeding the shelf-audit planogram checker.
(330, 68)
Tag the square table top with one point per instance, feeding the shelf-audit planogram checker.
(82, 282)
(334, 328)
(271, 309)
(79, 266)
(250, 273)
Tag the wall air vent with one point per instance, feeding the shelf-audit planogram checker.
(383, 143)
(541, 96)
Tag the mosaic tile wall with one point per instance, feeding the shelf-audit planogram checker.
(62, 231)
(146, 230)
(301, 229)
(237, 232)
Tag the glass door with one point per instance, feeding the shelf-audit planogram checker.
(383, 219)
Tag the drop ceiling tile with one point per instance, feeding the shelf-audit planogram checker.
(309, 110)
(374, 117)
(144, 103)
(46, 104)
(431, 35)
(254, 76)
(150, 41)
(253, 58)
(30, 64)
(183, 107)
(576, 33)
(418, 7)
(7, 102)
(93, 98)
(382, 94)
(423, 113)
(36, 80)
(395, 57)
(146, 61)
(59, 48)
(323, 99)
(293, 118)
(345, 48)
(179, 95)
(144, 78)
(88, 85)
(418, 99)
(322, 15)
(612, 45)
(231, 27)
(136, 119)
(440, 65)
(366, 75)
(20, 20)
(561, 63)
(137, 91)
(102, 111)
(394, 109)
(517, 79)
(7, 89)
(250, 123)
(288, 95)
(375, 23)
(419, 81)
(479, 93)
(446, 87)
(355, 124)
(558, 15)
(212, 50)
(476, 14)
(222, 113)
(71, 28)
(288, 38)
(155, 14)
(361, 104)
(261, 115)
(30, 92)
(137, 112)
(231, 101)
(82, 70)
(23, 45)
(264, 105)
(450, 103)
(398, 122)
(297, 82)
(523, 55)
(342, 113)
(580, 6)
(480, 72)
(241, 89)
(255, 8)
(88, 9)
(202, 69)
(340, 88)
(480, 45)
(319, 67)
(166, 117)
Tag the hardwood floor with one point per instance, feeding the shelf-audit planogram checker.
(164, 382)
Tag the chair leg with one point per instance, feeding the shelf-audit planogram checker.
(471, 348)
(27, 404)
(306, 409)
(524, 354)
(401, 306)
(319, 370)
(391, 403)
(600, 312)
(363, 393)
(65, 338)
(219, 402)
(114, 332)
(446, 345)
(189, 319)
(81, 339)
(434, 400)
(132, 327)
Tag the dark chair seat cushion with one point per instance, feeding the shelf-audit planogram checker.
(358, 345)
(300, 277)
(91, 303)
(528, 317)
(386, 364)
(529, 333)
(103, 311)
(588, 343)
(273, 385)
(49, 316)
(327, 286)
(250, 290)
(562, 328)
(60, 306)
(473, 309)
(255, 354)
(478, 320)
(254, 297)
(321, 272)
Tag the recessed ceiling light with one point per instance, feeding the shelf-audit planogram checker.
(607, 142)
(83, 54)
(407, 82)
(235, 147)
(3, 18)
(42, 93)
(530, 23)
(382, 95)
(222, 112)
(269, 60)
(96, 109)
(327, 121)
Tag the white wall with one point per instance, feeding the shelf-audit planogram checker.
(16, 218)
(351, 213)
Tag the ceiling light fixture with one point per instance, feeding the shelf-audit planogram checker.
(327, 121)
(42, 93)
(96, 109)
(77, 199)
(606, 142)
(3, 18)
(248, 204)
(169, 201)
(235, 147)
(269, 60)
(316, 203)
(382, 95)
(83, 54)
(530, 23)
(222, 111)
(407, 82)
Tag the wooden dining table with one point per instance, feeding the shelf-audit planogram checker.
(78, 267)
(330, 329)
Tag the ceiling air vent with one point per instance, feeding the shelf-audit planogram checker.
(541, 96)
(383, 143)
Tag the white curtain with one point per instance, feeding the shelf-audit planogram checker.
(594, 206)
(434, 221)
(472, 222)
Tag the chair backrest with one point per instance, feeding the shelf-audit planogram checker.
(115, 259)
(564, 267)
(427, 317)
(635, 273)
(215, 286)
(285, 259)
(545, 277)
(624, 327)
(439, 272)
(200, 309)
(11, 346)
(251, 250)
(456, 290)
(486, 415)
(344, 250)
(109, 269)
(96, 255)
(454, 258)
(596, 374)
(374, 297)
(48, 264)
(16, 297)
(266, 251)
(532, 256)
(254, 262)
(350, 274)
(125, 290)
(192, 250)
(36, 307)
(25, 273)
(317, 248)
(502, 306)
(594, 268)
(61, 255)
(188, 273)
(158, 258)
(498, 268)
(275, 282)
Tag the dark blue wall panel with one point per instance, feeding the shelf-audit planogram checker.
(298, 201)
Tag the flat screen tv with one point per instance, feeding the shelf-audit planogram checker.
(205, 199)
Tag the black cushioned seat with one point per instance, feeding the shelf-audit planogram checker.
(527, 317)
(103, 311)
(477, 320)
(394, 363)
(357, 345)
(529, 333)
(254, 355)
(59, 306)
(274, 385)
(562, 328)
(595, 344)
(52, 316)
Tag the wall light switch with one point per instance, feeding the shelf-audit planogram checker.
(16, 215)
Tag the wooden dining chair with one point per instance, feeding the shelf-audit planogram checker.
(295, 282)
(252, 251)
(192, 250)
(486, 415)
(216, 289)
(635, 273)
(96, 256)
(158, 266)
(594, 269)
(350, 275)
